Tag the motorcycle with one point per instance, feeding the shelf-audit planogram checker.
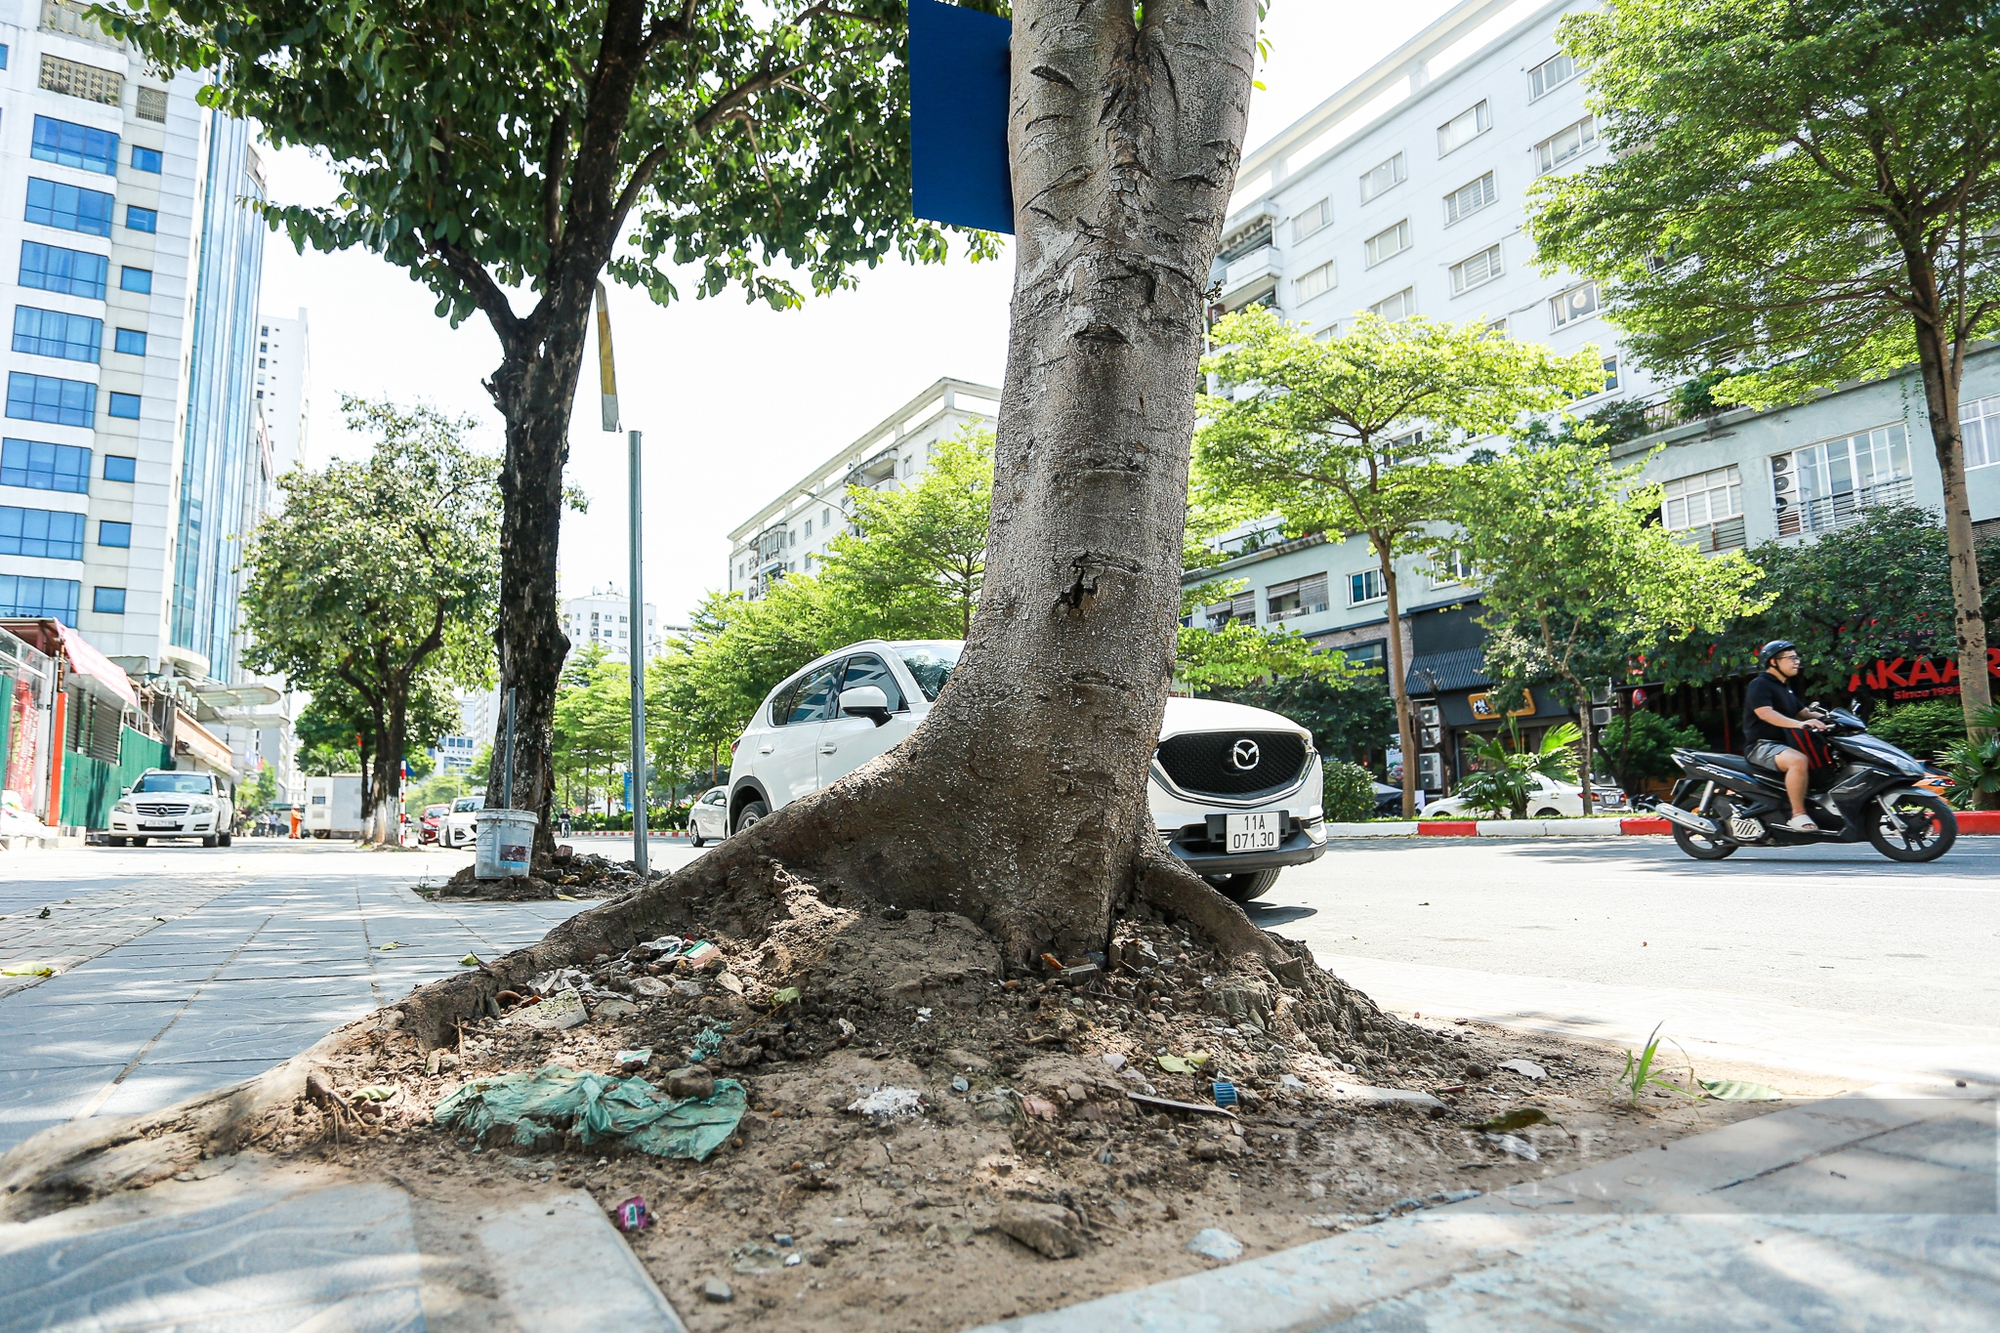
(1725, 802)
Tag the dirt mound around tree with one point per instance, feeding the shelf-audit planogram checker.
(564, 875)
(931, 1143)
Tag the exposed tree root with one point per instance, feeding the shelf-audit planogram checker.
(738, 892)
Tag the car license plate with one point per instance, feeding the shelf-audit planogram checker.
(1260, 832)
(159, 828)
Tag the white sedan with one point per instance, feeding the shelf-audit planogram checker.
(708, 818)
(1547, 799)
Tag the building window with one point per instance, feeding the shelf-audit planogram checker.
(1610, 374)
(1830, 484)
(809, 527)
(1565, 144)
(1463, 128)
(1300, 597)
(70, 207)
(54, 269)
(54, 599)
(1451, 570)
(1314, 219)
(125, 405)
(146, 159)
(1400, 306)
(1551, 74)
(1404, 446)
(142, 219)
(1578, 303)
(55, 333)
(86, 81)
(1477, 271)
(1705, 510)
(1979, 424)
(49, 534)
(131, 342)
(1365, 587)
(118, 467)
(3, 55)
(48, 399)
(1317, 282)
(153, 104)
(68, 144)
(1469, 199)
(1387, 243)
(45, 467)
(113, 534)
(1381, 178)
(107, 601)
(135, 279)
(1366, 656)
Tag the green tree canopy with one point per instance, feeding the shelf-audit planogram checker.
(1804, 192)
(507, 155)
(1575, 574)
(1357, 433)
(374, 586)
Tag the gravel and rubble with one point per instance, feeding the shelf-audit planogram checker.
(931, 1143)
(567, 874)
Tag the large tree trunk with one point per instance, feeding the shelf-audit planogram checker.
(534, 393)
(1021, 802)
(1399, 686)
(1942, 372)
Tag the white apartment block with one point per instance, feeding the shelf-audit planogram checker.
(789, 535)
(1404, 192)
(604, 617)
(284, 385)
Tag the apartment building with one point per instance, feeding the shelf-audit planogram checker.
(604, 617)
(284, 385)
(1404, 193)
(789, 535)
(133, 270)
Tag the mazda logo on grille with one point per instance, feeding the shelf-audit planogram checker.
(1245, 754)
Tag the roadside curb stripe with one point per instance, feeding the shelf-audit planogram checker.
(1971, 823)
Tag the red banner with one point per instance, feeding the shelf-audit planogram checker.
(1906, 678)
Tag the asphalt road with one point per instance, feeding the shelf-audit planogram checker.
(1837, 928)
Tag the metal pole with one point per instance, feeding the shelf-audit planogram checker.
(637, 655)
(507, 759)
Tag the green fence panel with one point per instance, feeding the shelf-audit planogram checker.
(6, 721)
(91, 786)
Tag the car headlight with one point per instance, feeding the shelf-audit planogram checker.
(201, 805)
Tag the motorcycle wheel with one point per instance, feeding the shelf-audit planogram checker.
(1700, 848)
(1895, 837)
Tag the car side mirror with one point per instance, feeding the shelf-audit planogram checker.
(126, 792)
(866, 701)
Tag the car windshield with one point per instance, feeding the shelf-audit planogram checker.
(931, 663)
(184, 784)
(464, 803)
(430, 810)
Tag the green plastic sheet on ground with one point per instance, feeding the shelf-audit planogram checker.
(554, 1101)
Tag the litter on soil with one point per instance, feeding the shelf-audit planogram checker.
(542, 1106)
(1019, 1147)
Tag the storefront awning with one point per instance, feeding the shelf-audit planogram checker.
(1441, 673)
(102, 676)
(195, 741)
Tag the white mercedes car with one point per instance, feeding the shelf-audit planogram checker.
(1236, 792)
(166, 803)
(708, 818)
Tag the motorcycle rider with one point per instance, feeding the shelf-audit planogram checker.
(1770, 709)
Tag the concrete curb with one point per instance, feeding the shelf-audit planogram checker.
(1971, 824)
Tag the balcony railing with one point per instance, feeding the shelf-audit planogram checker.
(1824, 513)
(1722, 535)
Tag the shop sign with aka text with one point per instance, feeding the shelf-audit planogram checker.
(1904, 678)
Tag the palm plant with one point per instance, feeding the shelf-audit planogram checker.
(1975, 763)
(1505, 777)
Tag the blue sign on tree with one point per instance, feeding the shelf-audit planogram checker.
(958, 117)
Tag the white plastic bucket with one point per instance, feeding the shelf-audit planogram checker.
(506, 841)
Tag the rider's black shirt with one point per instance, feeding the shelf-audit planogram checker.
(1767, 691)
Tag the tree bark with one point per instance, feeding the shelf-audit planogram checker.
(1942, 372)
(1399, 685)
(1583, 718)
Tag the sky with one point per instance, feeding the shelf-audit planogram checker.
(735, 401)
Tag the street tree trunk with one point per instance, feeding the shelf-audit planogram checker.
(1943, 368)
(1399, 685)
(1584, 720)
(1021, 802)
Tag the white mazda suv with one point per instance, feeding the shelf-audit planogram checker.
(1235, 791)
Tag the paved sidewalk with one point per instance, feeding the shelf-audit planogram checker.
(262, 955)
(1877, 1211)
(254, 1248)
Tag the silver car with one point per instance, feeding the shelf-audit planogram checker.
(708, 818)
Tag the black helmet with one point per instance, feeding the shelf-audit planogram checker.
(1771, 650)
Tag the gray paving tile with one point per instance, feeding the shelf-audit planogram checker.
(240, 1039)
(83, 1035)
(33, 1099)
(340, 1258)
(152, 1086)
